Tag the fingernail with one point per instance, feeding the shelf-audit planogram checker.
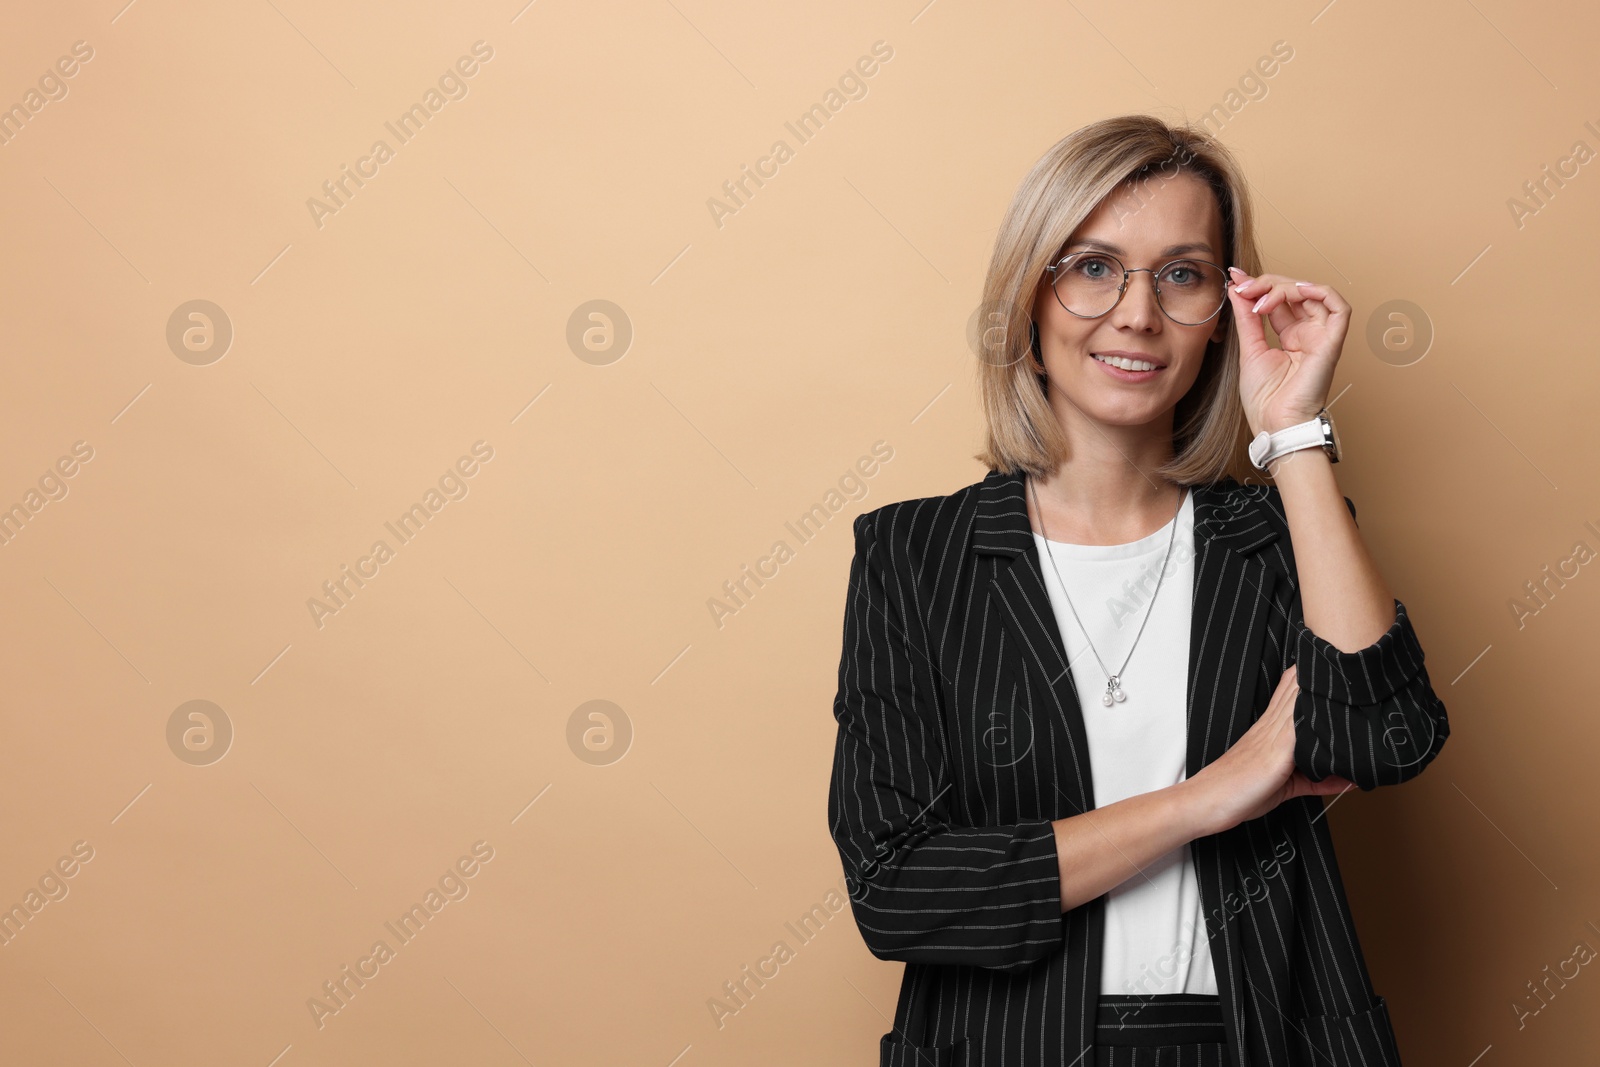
(1305, 283)
(1240, 288)
(1236, 270)
(1263, 300)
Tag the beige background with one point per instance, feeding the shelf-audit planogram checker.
(434, 709)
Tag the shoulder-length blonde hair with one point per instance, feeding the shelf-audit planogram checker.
(1059, 192)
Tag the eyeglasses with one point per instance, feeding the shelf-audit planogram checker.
(1090, 284)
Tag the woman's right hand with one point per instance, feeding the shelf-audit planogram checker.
(1258, 772)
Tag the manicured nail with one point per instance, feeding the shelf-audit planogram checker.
(1241, 287)
(1305, 283)
(1263, 300)
(1236, 270)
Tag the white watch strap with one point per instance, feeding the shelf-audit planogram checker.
(1269, 446)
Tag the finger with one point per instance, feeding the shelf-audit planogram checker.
(1296, 294)
(1289, 677)
(1289, 680)
(1272, 296)
(1246, 283)
(1311, 308)
(1283, 310)
(1308, 298)
(1331, 784)
(1252, 337)
(1255, 283)
(1329, 297)
(1300, 785)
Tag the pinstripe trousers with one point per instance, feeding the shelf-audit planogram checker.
(1160, 1030)
(1153, 1030)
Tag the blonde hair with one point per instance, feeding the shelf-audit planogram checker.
(1062, 189)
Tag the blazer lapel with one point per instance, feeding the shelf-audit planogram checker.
(1017, 594)
(1232, 596)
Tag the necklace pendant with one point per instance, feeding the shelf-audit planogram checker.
(1113, 691)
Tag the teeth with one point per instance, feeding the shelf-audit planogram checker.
(1125, 363)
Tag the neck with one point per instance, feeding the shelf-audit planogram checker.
(1106, 491)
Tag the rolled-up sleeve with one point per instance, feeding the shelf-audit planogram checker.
(1370, 715)
(922, 888)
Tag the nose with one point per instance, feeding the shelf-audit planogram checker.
(1138, 307)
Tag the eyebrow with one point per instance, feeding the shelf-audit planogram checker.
(1174, 250)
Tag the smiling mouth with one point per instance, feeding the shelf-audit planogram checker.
(1125, 363)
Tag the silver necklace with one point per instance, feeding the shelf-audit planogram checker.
(1114, 690)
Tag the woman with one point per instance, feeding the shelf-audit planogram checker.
(1088, 706)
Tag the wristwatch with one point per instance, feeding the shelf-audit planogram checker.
(1317, 432)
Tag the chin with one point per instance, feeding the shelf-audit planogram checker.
(1122, 411)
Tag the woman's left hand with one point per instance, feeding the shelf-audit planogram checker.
(1283, 386)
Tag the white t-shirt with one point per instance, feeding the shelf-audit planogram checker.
(1155, 938)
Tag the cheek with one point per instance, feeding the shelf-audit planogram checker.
(1065, 327)
(1194, 343)
(1189, 372)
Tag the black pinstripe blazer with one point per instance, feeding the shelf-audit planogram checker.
(960, 738)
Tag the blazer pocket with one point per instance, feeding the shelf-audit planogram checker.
(892, 1052)
(1365, 1037)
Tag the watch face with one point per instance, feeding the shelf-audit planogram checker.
(1333, 432)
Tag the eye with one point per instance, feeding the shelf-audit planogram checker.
(1095, 268)
(1183, 274)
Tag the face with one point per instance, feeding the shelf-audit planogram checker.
(1146, 225)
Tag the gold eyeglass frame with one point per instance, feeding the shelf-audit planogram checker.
(1122, 288)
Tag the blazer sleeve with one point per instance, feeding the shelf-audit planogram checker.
(922, 888)
(1370, 715)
